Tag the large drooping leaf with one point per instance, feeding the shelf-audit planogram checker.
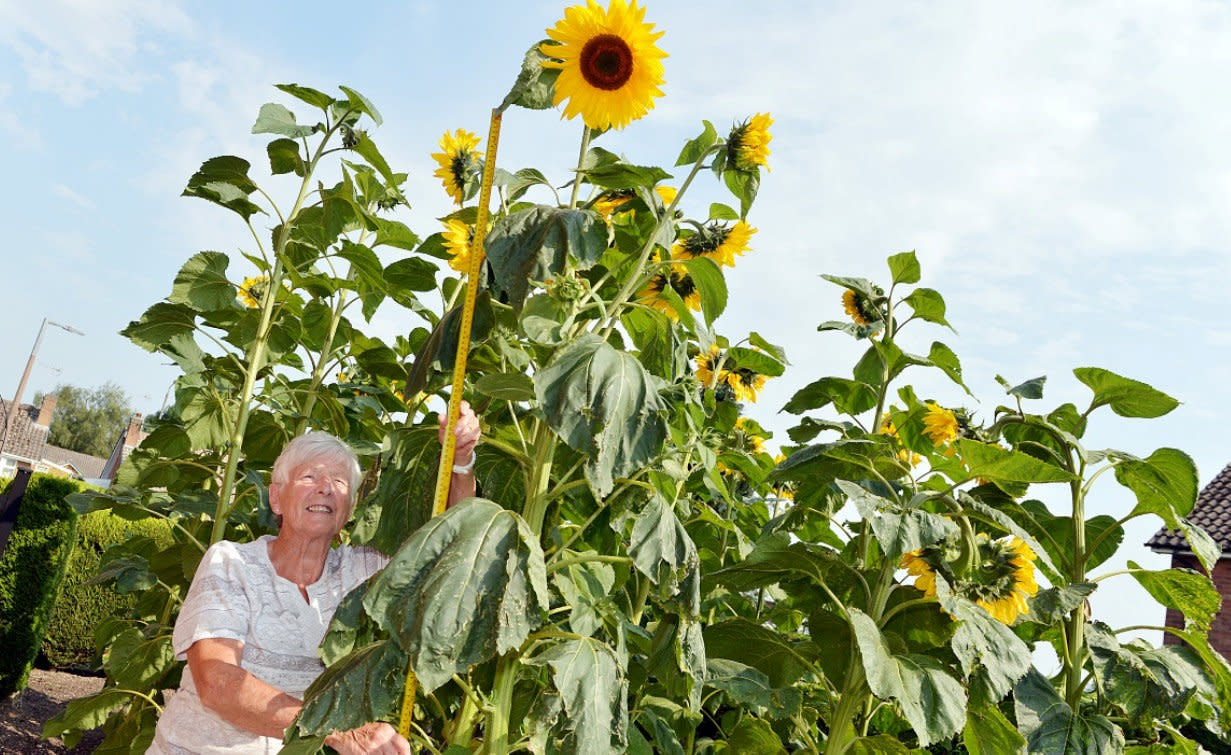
(364, 686)
(603, 403)
(1053, 728)
(747, 686)
(85, 713)
(592, 684)
(224, 181)
(533, 245)
(1165, 483)
(161, 323)
(402, 500)
(775, 558)
(1189, 592)
(202, 284)
(1146, 682)
(585, 587)
(988, 732)
(468, 585)
(776, 655)
(276, 119)
(752, 736)
(663, 551)
(1000, 464)
(932, 701)
(1125, 396)
(535, 84)
(983, 644)
(848, 396)
(898, 529)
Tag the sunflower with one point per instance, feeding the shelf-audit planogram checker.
(252, 290)
(751, 436)
(939, 424)
(859, 307)
(681, 283)
(718, 241)
(666, 194)
(1005, 579)
(748, 143)
(609, 202)
(458, 236)
(744, 383)
(610, 67)
(459, 162)
(917, 565)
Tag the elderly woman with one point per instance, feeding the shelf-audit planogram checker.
(257, 611)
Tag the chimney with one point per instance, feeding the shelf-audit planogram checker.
(132, 438)
(47, 409)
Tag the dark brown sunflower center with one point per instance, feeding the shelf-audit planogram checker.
(606, 62)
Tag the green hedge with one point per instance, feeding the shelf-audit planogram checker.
(69, 640)
(31, 569)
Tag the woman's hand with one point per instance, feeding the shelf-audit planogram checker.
(467, 432)
(377, 738)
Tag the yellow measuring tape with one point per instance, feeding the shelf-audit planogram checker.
(445, 474)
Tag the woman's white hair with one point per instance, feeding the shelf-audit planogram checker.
(317, 445)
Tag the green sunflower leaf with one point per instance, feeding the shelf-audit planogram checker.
(360, 104)
(1051, 726)
(1125, 396)
(988, 732)
(1148, 683)
(364, 686)
(858, 285)
(535, 84)
(943, 358)
(928, 305)
(904, 268)
(506, 386)
(850, 397)
(1189, 592)
(752, 736)
(932, 701)
(897, 529)
(465, 587)
(534, 244)
(880, 744)
(995, 463)
(698, 146)
(607, 170)
(276, 119)
(603, 403)
(757, 361)
(1165, 484)
(224, 181)
(658, 347)
(160, 324)
(711, 285)
(749, 687)
(744, 186)
(307, 94)
(1032, 388)
(410, 274)
(983, 644)
(664, 552)
(402, 500)
(720, 211)
(366, 148)
(592, 685)
(774, 654)
(202, 284)
(284, 157)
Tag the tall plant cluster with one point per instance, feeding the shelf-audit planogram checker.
(641, 573)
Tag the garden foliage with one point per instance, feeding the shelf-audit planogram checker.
(31, 570)
(641, 574)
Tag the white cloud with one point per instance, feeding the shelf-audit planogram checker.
(64, 192)
(75, 49)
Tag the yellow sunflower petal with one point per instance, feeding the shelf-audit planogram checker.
(610, 65)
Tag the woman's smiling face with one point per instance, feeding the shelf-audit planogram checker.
(315, 501)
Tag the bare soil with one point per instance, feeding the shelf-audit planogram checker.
(22, 716)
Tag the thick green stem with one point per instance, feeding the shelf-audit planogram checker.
(463, 724)
(544, 451)
(497, 733)
(1077, 618)
(586, 133)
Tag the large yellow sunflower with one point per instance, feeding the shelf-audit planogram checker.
(1008, 580)
(859, 307)
(610, 67)
(458, 236)
(252, 290)
(719, 242)
(458, 161)
(743, 383)
(748, 143)
(681, 283)
(918, 567)
(939, 424)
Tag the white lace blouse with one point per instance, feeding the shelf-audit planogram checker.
(237, 595)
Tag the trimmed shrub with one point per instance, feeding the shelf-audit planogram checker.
(69, 640)
(31, 569)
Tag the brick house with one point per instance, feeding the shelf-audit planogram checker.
(1212, 513)
(27, 438)
(27, 447)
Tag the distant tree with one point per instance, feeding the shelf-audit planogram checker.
(88, 419)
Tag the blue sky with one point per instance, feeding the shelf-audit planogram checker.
(1062, 170)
